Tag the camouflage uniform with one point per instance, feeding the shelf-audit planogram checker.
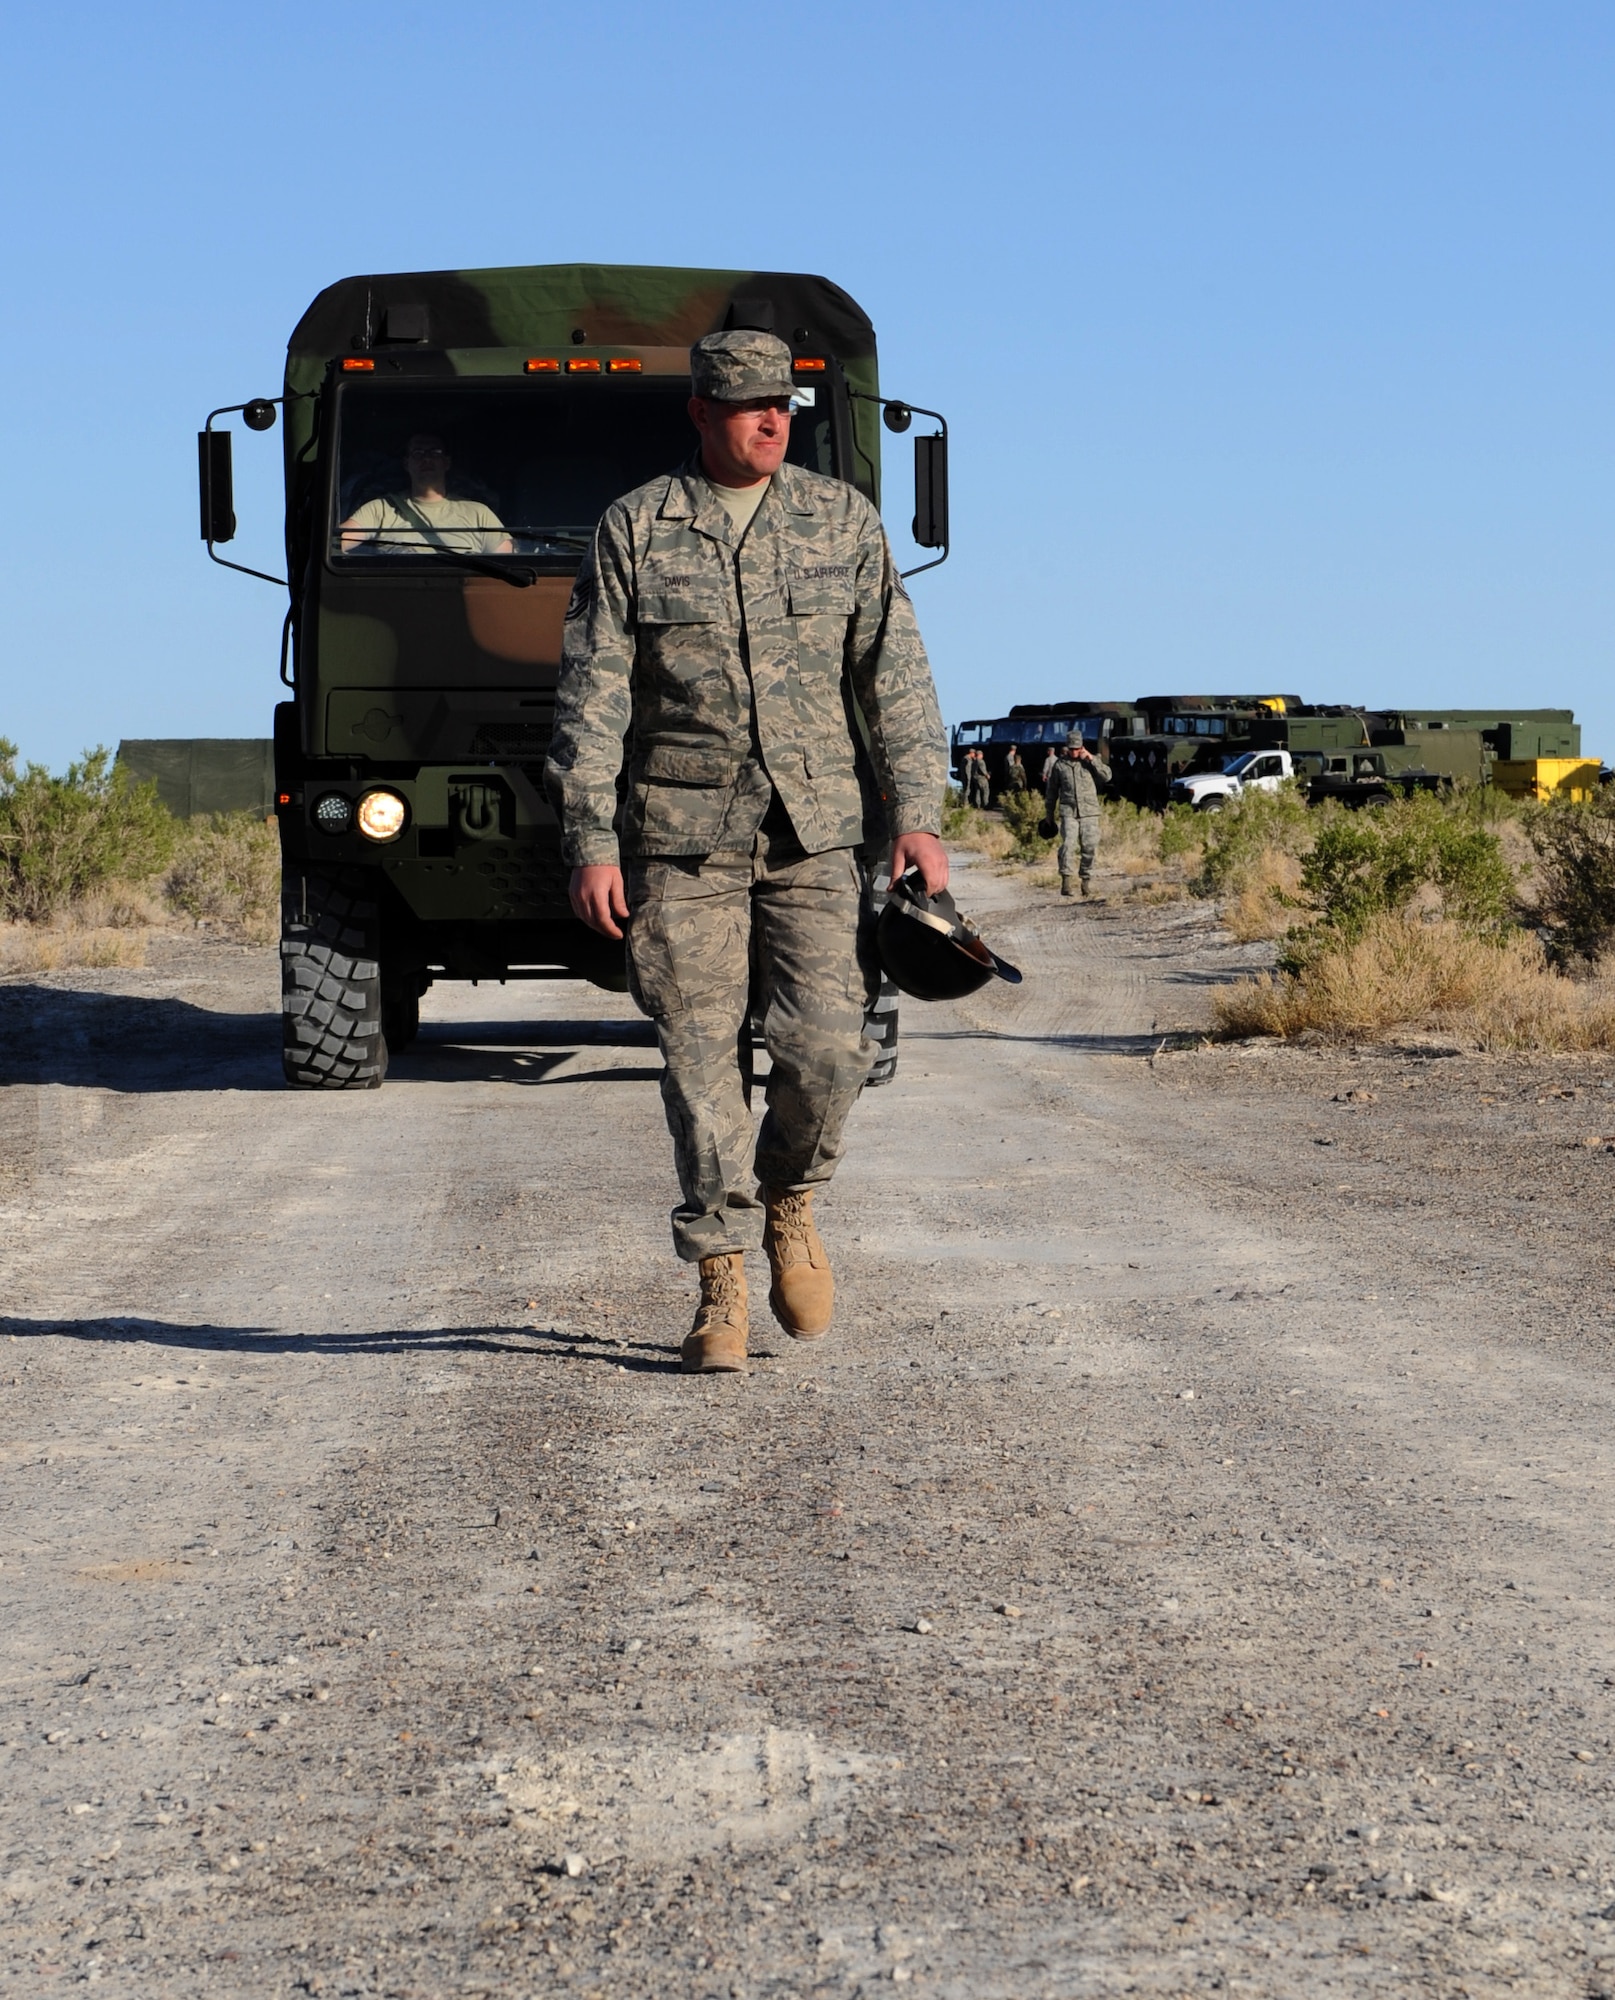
(1014, 771)
(1072, 796)
(728, 665)
(978, 786)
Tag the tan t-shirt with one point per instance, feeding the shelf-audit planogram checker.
(464, 526)
(740, 503)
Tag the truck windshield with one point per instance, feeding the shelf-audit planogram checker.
(1047, 728)
(1236, 767)
(509, 469)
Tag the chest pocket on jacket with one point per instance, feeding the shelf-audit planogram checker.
(683, 630)
(692, 605)
(812, 596)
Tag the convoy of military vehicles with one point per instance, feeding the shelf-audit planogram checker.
(1203, 750)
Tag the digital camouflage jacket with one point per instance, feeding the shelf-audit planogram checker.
(1071, 783)
(674, 634)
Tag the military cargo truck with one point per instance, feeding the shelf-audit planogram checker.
(1176, 736)
(421, 654)
(1517, 734)
(1036, 728)
(1364, 757)
(1147, 743)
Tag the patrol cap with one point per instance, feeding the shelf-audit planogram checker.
(736, 367)
(1072, 738)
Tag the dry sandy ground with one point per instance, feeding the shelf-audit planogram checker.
(1184, 1571)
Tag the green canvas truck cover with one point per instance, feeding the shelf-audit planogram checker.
(476, 320)
(204, 774)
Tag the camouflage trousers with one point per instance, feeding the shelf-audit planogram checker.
(1079, 832)
(698, 926)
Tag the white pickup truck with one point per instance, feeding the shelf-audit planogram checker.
(1255, 771)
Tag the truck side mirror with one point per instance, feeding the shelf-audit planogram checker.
(931, 491)
(218, 486)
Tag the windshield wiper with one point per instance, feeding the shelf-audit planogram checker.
(481, 565)
(560, 538)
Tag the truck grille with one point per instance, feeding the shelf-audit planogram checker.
(511, 739)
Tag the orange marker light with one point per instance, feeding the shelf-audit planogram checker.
(805, 367)
(352, 365)
(583, 368)
(283, 798)
(542, 364)
(622, 364)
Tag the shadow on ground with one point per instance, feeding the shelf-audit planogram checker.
(1093, 1045)
(545, 1343)
(140, 1044)
(130, 1042)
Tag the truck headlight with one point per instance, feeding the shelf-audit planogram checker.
(333, 813)
(382, 815)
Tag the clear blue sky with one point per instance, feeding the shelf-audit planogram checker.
(1275, 339)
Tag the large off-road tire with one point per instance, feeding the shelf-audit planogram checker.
(880, 1027)
(330, 980)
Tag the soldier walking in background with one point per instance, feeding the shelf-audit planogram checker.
(720, 618)
(1014, 771)
(1072, 796)
(978, 786)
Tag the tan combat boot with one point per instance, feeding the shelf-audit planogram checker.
(803, 1293)
(1065, 885)
(716, 1344)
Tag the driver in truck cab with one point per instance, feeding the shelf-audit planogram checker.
(426, 517)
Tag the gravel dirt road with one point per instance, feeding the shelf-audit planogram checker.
(1185, 1570)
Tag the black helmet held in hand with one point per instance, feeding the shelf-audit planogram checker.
(928, 949)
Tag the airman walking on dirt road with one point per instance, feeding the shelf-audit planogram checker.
(718, 622)
(1073, 798)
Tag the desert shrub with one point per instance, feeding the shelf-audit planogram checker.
(1023, 813)
(1130, 837)
(1182, 832)
(226, 873)
(53, 947)
(1574, 845)
(1399, 969)
(63, 838)
(1239, 837)
(970, 827)
(1263, 904)
(1369, 864)
(114, 906)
